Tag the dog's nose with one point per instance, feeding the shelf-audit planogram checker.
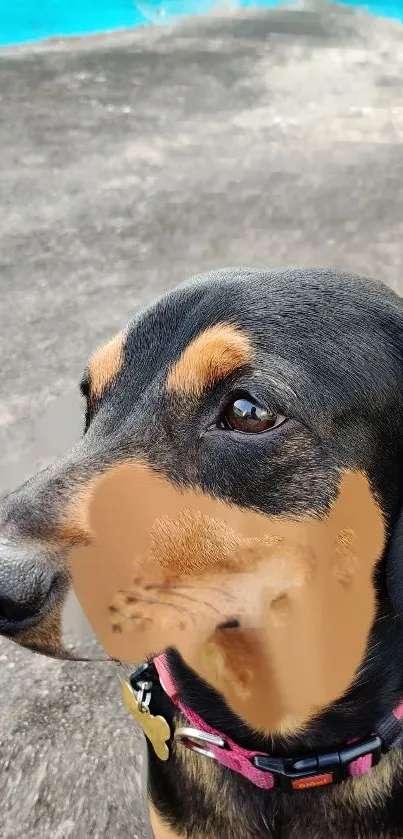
(26, 586)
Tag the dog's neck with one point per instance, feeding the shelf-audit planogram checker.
(353, 716)
(186, 788)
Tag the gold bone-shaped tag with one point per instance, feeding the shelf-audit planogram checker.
(156, 728)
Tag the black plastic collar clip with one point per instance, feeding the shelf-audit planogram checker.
(293, 774)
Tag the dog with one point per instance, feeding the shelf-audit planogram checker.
(316, 356)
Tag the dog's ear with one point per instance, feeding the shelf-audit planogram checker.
(394, 566)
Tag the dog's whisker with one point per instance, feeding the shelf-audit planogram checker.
(189, 598)
(153, 601)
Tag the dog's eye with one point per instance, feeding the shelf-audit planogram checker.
(245, 415)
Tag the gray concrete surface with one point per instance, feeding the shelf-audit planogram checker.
(127, 162)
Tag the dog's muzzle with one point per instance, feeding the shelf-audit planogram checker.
(38, 608)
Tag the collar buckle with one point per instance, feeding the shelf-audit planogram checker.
(317, 770)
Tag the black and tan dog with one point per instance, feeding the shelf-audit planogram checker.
(316, 358)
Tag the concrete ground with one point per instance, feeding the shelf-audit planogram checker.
(129, 161)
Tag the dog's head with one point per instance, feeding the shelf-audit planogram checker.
(267, 390)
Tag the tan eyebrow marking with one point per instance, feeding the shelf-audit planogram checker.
(105, 364)
(213, 355)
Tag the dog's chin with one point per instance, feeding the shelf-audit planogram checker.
(57, 651)
(63, 654)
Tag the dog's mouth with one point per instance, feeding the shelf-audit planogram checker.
(59, 629)
(69, 655)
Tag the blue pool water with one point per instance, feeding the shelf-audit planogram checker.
(31, 20)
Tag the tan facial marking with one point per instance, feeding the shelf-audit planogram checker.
(47, 635)
(213, 355)
(175, 564)
(191, 541)
(280, 609)
(105, 365)
(345, 562)
(74, 527)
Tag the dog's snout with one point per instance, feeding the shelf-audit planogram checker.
(26, 587)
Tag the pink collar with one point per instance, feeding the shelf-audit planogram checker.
(289, 774)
